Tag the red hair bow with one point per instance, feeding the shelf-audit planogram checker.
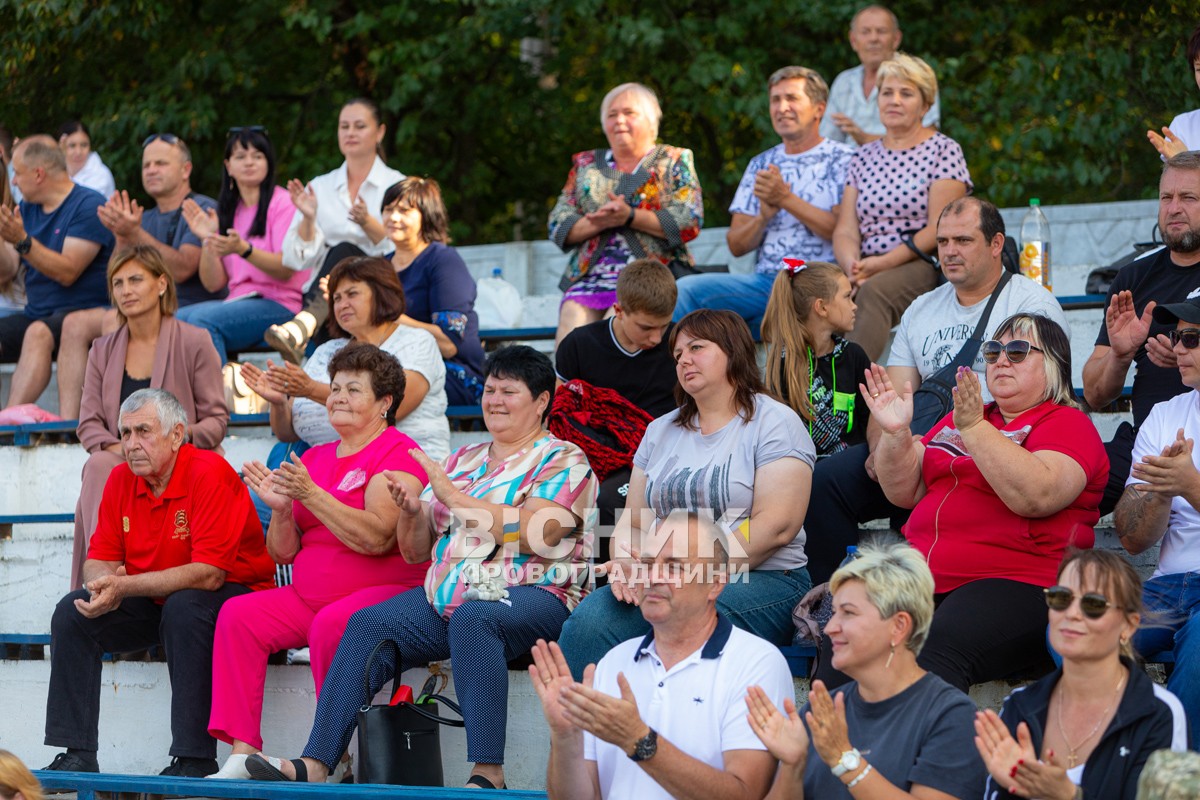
(794, 265)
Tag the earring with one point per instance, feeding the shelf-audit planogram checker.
(162, 293)
(383, 415)
(891, 655)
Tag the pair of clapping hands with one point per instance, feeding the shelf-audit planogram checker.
(278, 382)
(892, 409)
(205, 226)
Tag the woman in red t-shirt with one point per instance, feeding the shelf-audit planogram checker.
(998, 492)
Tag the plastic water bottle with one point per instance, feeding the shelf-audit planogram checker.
(1035, 245)
(851, 554)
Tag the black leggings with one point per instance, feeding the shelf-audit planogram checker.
(986, 630)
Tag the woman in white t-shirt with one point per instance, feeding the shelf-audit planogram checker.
(1184, 132)
(729, 450)
(367, 301)
(335, 219)
(83, 163)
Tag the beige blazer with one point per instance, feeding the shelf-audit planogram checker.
(185, 364)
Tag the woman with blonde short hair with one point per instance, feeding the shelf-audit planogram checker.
(895, 726)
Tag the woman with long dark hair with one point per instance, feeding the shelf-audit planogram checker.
(243, 240)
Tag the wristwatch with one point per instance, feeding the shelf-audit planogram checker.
(645, 747)
(850, 761)
(23, 247)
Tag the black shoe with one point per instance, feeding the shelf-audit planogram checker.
(190, 767)
(69, 762)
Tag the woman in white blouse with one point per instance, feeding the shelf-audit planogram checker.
(334, 220)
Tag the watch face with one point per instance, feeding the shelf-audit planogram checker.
(850, 760)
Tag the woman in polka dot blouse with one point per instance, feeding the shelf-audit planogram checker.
(896, 188)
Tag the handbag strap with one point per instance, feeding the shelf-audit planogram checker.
(971, 347)
(453, 706)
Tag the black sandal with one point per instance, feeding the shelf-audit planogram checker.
(261, 769)
(483, 783)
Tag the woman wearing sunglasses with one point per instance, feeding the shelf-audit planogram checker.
(1085, 730)
(998, 492)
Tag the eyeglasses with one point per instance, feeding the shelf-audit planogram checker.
(1016, 350)
(169, 138)
(248, 128)
(1190, 337)
(1093, 604)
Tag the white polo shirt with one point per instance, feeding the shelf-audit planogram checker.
(698, 705)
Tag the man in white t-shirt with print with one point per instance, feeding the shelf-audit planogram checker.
(664, 716)
(786, 204)
(1160, 504)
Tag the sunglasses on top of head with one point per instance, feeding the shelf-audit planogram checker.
(169, 138)
(1093, 604)
(1190, 337)
(1016, 350)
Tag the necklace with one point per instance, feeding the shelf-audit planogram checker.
(1073, 749)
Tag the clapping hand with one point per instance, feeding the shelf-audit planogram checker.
(1013, 763)
(622, 571)
(826, 719)
(784, 734)
(891, 410)
(615, 720)
(1161, 352)
(359, 213)
(259, 383)
(1126, 330)
(293, 480)
(303, 198)
(121, 215)
(550, 676)
(1168, 144)
(612, 214)
(405, 500)
(202, 222)
(1172, 473)
(258, 478)
(770, 188)
(443, 488)
(968, 399)
(12, 227)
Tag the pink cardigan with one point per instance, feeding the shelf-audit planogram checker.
(185, 364)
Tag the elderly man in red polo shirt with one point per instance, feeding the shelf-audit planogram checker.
(177, 536)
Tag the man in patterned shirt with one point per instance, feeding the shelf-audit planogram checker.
(786, 203)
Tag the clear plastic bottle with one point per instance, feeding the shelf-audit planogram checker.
(851, 554)
(1035, 245)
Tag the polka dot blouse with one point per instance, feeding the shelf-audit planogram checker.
(893, 187)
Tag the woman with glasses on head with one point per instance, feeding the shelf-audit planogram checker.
(998, 492)
(1086, 730)
(243, 240)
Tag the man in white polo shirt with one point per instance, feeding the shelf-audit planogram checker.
(664, 716)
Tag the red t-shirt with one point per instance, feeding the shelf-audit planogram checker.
(966, 532)
(204, 516)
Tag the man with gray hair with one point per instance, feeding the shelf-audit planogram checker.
(853, 113)
(65, 250)
(177, 536)
(786, 204)
(664, 716)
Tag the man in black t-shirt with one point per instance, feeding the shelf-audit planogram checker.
(1129, 334)
(628, 353)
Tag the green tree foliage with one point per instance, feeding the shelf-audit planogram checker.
(492, 96)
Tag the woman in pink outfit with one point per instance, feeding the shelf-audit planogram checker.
(333, 519)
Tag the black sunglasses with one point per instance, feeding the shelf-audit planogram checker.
(248, 128)
(1016, 350)
(1093, 604)
(1189, 336)
(169, 138)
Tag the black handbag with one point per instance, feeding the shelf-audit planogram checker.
(934, 398)
(399, 743)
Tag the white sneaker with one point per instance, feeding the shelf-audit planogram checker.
(233, 769)
(298, 656)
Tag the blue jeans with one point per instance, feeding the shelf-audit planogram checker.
(235, 324)
(744, 295)
(1172, 603)
(762, 605)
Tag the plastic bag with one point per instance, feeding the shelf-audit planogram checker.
(497, 302)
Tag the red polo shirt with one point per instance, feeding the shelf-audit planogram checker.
(204, 516)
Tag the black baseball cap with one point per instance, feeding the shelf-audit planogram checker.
(1188, 311)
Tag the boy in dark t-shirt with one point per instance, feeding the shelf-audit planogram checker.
(629, 354)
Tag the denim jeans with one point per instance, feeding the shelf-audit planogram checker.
(762, 605)
(235, 324)
(1172, 603)
(744, 295)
